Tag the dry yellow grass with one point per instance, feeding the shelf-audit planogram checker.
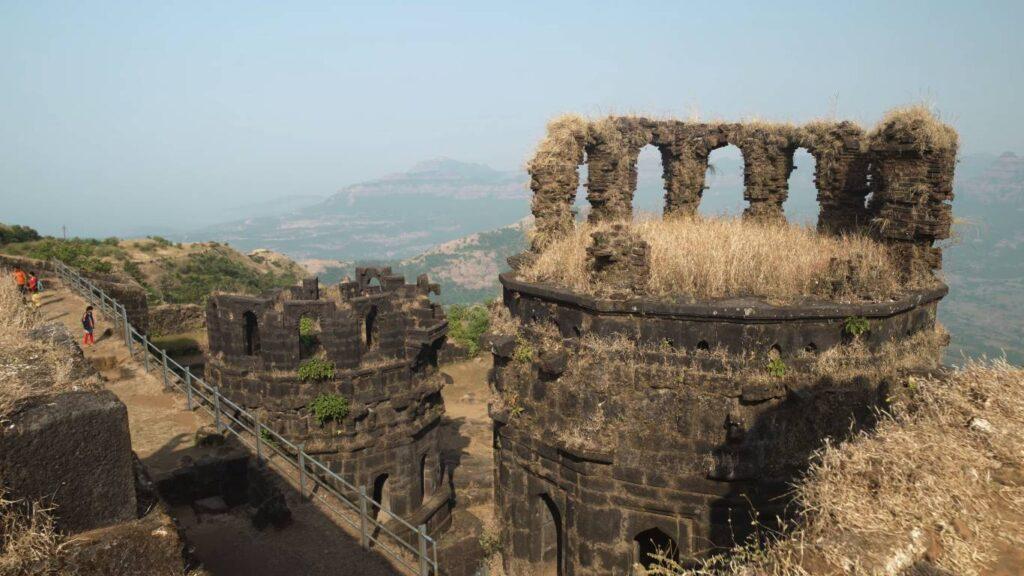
(726, 257)
(919, 122)
(29, 543)
(28, 366)
(939, 486)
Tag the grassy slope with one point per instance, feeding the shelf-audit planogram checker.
(173, 273)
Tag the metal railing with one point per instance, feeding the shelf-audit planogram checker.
(357, 509)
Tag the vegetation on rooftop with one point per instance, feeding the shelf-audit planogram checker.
(728, 257)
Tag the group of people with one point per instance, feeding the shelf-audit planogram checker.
(31, 286)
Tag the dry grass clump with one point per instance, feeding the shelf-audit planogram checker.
(730, 257)
(937, 487)
(29, 366)
(29, 543)
(919, 124)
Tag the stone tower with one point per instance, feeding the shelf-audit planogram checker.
(625, 425)
(381, 337)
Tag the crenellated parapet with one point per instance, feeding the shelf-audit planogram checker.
(372, 341)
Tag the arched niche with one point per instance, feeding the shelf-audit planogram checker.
(250, 334)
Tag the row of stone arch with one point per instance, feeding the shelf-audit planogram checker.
(309, 344)
(850, 164)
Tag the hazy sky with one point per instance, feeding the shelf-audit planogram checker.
(116, 116)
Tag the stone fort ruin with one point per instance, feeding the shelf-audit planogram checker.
(381, 338)
(607, 453)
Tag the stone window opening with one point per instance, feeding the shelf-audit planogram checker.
(310, 344)
(426, 482)
(369, 329)
(381, 496)
(801, 205)
(550, 538)
(251, 334)
(648, 183)
(651, 545)
(723, 178)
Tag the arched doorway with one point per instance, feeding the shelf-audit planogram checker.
(651, 545)
(251, 334)
(549, 534)
(723, 183)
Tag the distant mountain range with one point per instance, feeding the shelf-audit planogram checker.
(393, 217)
(459, 222)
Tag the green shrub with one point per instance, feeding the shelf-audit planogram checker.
(177, 345)
(17, 233)
(776, 367)
(490, 543)
(84, 254)
(160, 241)
(466, 324)
(316, 369)
(329, 407)
(523, 352)
(856, 325)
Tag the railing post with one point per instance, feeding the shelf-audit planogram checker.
(257, 433)
(127, 329)
(302, 470)
(364, 536)
(145, 350)
(188, 388)
(216, 407)
(163, 353)
(424, 562)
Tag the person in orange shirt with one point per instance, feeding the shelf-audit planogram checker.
(20, 280)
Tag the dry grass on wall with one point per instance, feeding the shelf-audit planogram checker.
(920, 124)
(28, 366)
(726, 257)
(29, 543)
(936, 488)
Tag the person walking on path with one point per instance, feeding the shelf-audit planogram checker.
(20, 280)
(89, 325)
(35, 286)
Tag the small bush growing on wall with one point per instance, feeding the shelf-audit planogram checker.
(523, 352)
(856, 326)
(776, 367)
(329, 407)
(316, 369)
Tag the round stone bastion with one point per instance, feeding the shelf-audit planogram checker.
(629, 427)
(622, 427)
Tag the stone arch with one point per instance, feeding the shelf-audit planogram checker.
(550, 539)
(718, 176)
(554, 178)
(803, 176)
(767, 161)
(649, 175)
(251, 333)
(651, 544)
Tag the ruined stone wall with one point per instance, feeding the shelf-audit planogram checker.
(625, 423)
(382, 336)
(907, 174)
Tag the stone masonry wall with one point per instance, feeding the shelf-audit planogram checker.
(383, 337)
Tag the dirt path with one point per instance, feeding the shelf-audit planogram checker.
(162, 432)
(467, 445)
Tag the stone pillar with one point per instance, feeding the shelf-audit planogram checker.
(611, 162)
(840, 174)
(554, 178)
(914, 156)
(620, 260)
(766, 169)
